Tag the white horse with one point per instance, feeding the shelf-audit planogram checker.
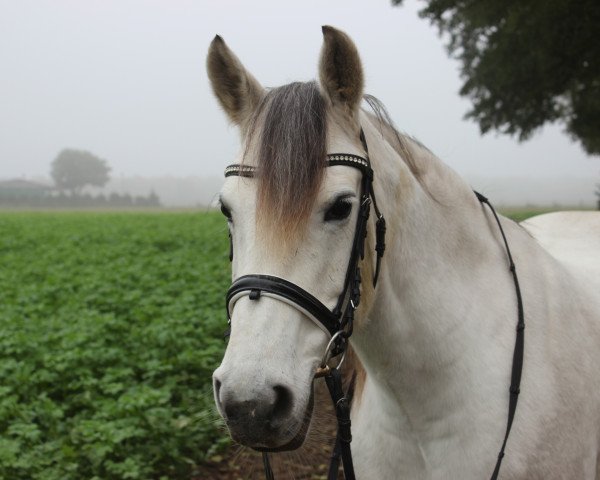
(436, 335)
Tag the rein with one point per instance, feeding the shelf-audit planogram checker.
(338, 323)
(517, 363)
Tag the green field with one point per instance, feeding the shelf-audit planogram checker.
(110, 327)
(520, 214)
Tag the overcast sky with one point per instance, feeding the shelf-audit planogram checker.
(125, 79)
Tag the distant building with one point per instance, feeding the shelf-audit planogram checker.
(23, 188)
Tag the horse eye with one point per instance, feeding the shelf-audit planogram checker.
(339, 210)
(225, 211)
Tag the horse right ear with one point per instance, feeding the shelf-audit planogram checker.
(238, 92)
(340, 69)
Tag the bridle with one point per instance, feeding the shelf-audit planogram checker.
(338, 323)
(340, 318)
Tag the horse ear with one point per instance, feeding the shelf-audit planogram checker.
(340, 69)
(238, 92)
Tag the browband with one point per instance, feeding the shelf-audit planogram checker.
(333, 159)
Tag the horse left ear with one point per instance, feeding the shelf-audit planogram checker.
(340, 69)
(238, 92)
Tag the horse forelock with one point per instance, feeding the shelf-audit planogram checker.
(289, 137)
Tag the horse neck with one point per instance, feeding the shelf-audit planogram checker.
(423, 341)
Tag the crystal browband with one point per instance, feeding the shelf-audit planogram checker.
(240, 170)
(332, 160)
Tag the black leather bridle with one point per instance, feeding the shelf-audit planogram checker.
(338, 323)
(339, 319)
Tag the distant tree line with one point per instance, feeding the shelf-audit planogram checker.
(71, 170)
(77, 200)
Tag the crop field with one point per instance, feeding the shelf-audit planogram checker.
(110, 327)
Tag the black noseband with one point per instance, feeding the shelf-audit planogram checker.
(341, 317)
(256, 285)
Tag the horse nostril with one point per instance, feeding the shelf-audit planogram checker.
(283, 403)
(236, 411)
(217, 390)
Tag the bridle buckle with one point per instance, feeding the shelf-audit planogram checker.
(324, 368)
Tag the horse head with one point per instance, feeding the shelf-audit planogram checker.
(289, 218)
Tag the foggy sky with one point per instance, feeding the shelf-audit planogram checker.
(126, 80)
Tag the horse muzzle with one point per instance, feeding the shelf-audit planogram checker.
(265, 419)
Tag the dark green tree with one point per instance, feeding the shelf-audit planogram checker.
(72, 170)
(526, 63)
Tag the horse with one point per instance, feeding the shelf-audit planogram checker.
(433, 339)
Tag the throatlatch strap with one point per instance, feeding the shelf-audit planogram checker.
(517, 364)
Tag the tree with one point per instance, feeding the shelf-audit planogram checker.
(73, 169)
(525, 63)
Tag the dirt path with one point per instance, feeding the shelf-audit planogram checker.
(310, 462)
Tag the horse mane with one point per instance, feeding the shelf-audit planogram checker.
(399, 141)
